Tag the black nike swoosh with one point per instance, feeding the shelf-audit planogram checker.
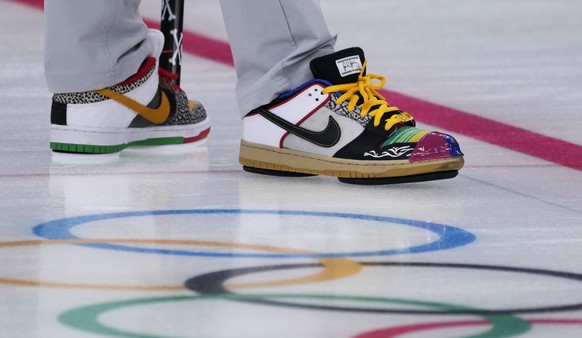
(326, 138)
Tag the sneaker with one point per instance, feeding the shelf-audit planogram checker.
(338, 125)
(146, 109)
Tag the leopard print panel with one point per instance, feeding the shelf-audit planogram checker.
(93, 97)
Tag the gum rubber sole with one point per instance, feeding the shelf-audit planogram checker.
(363, 181)
(262, 159)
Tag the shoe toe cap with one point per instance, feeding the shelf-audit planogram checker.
(434, 146)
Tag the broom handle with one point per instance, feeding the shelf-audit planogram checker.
(171, 25)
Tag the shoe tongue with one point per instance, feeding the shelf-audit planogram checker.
(340, 67)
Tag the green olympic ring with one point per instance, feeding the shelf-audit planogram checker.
(86, 318)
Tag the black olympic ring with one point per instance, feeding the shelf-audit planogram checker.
(214, 283)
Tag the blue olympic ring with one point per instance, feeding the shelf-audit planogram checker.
(448, 237)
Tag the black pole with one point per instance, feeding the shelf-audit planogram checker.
(171, 25)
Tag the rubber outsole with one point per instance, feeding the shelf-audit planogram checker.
(267, 160)
(443, 175)
(275, 172)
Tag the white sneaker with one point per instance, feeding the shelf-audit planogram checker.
(146, 109)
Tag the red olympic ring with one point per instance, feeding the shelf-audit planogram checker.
(407, 329)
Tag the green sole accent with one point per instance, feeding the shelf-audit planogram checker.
(159, 141)
(100, 149)
(86, 148)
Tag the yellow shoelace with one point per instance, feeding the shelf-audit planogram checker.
(371, 98)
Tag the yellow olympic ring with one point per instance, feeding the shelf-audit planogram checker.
(334, 268)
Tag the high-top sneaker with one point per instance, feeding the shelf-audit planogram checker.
(338, 125)
(146, 109)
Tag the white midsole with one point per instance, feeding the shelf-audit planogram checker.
(118, 136)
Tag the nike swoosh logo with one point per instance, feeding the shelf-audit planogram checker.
(326, 138)
(155, 115)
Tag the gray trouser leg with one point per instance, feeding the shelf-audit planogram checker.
(95, 44)
(92, 44)
(273, 42)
